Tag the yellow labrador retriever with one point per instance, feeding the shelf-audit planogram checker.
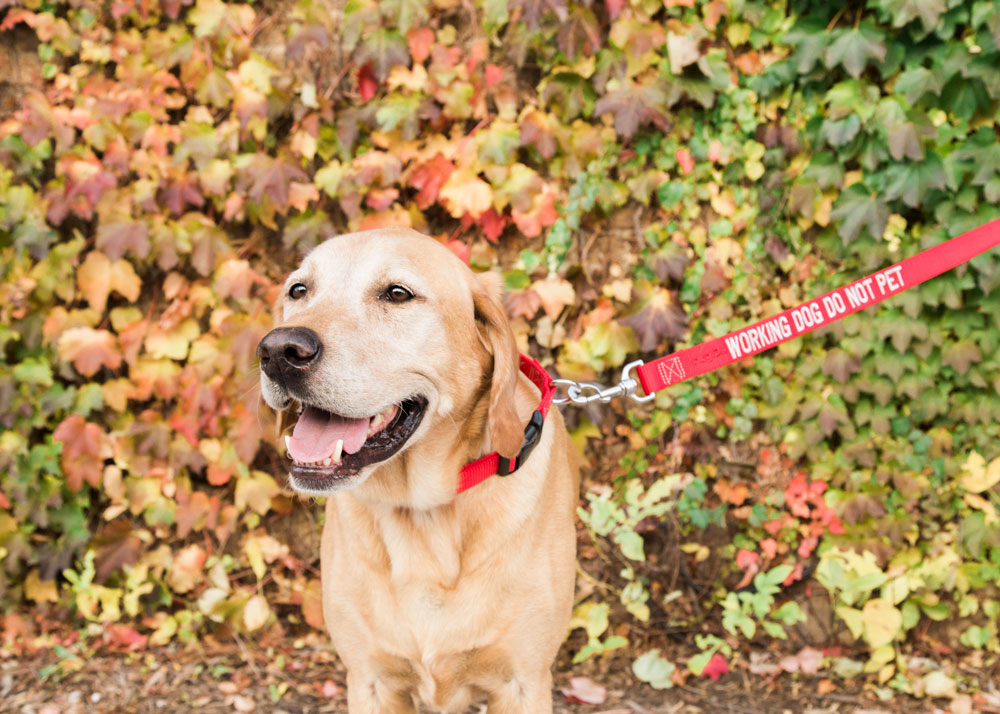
(404, 368)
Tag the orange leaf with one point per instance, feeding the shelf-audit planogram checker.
(89, 350)
(464, 192)
(81, 452)
(541, 213)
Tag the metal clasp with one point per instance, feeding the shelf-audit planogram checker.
(583, 393)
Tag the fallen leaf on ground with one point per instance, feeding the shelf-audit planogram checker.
(716, 667)
(584, 690)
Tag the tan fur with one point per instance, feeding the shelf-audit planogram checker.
(430, 596)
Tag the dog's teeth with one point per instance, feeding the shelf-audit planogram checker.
(338, 450)
(377, 421)
(327, 461)
(287, 445)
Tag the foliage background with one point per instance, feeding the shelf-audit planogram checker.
(647, 174)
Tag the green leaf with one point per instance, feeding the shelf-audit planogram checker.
(904, 11)
(653, 669)
(855, 48)
(810, 39)
(631, 544)
(858, 208)
(911, 181)
(917, 81)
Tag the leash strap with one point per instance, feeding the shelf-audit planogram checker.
(481, 469)
(748, 341)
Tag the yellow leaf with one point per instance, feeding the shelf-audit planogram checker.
(40, 590)
(93, 279)
(256, 491)
(981, 504)
(882, 622)
(164, 633)
(555, 293)
(125, 281)
(172, 343)
(256, 72)
(206, 16)
(978, 476)
(256, 558)
(464, 192)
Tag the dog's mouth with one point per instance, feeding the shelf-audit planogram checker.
(327, 447)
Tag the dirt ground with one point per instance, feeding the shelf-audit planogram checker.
(306, 677)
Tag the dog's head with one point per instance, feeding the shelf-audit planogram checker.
(385, 339)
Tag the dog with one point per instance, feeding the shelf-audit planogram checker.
(404, 367)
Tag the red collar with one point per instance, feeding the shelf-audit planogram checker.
(481, 469)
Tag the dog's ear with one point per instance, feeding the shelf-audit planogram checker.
(506, 430)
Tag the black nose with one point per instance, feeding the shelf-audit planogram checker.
(288, 351)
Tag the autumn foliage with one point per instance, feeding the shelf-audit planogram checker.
(645, 174)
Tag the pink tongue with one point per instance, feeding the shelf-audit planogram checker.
(316, 433)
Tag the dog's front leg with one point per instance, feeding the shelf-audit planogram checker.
(516, 696)
(369, 693)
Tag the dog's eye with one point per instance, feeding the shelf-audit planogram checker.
(397, 293)
(297, 291)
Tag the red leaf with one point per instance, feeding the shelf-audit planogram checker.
(716, 667)
(4, 503)
(122, 637)
(684, 160)
(367, 85)
(428, 178)
(494, 75)
(614, 8)
(492, 224)
(460, 249)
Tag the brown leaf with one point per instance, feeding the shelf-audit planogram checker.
(121, 235)
(536, 130)
(532, 11)
(659, 319)
(632, 105)
(116, 545)
(841, 365)
(580, 33)
(523, 303)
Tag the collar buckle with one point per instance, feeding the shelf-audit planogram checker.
(532, 433)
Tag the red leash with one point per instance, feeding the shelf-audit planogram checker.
(836, 304)
(739, 344)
